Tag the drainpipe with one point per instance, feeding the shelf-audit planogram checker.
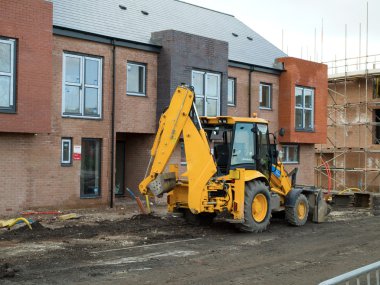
(249, 92)
(113, 121)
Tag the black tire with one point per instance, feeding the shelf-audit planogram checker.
(294, 217)
(202, 219)
(250, 224)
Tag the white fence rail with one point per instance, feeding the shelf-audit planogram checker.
(368, 274)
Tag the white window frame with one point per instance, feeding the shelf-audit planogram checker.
(285, 150)
(65, 140)
(204, 95)
(142, 94)
(303, 108)
(11, 74)
(82, 86)
(261, 96)
(233, 103)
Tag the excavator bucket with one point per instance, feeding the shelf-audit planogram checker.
(163, 183)
(321, 208)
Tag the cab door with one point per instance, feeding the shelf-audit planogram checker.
(263, 159)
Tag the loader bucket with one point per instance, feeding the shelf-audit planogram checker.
(321, 208)
(163, 183)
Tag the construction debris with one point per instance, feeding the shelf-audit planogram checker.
(69, 217)
(10, 223)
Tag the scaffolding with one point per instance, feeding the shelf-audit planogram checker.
(352, 151)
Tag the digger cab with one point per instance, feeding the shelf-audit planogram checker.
(239, 143)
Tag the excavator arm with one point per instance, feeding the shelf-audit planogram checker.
(174, 123)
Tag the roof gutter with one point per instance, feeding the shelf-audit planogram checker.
(71, 33)
(258, 68)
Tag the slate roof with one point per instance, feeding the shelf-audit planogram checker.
(106, 18)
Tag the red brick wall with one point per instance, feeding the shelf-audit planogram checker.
(30, 23)
(305, 175)
(241, 109)
(309, 74)
(136, 114)
(269, 115)
(241, 92)
(33, 175)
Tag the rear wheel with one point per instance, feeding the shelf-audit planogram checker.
(297, 215)
(256, 207)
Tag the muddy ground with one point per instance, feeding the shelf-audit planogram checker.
(161, 249)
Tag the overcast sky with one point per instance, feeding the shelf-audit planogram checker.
(298, 19)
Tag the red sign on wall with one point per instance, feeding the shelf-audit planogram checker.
(76, 156)
(77, 152)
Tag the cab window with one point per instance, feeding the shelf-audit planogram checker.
(243, 150)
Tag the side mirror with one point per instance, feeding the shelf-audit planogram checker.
(281, 132)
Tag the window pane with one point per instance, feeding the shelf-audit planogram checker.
(5, 89)
(231, 91)
(66, 151)
(299, 101)
(212, 85)
(243, 147)
(199, 103)
(212, 107)
(72, 99)
(292, 153)
(198, 83)
(135, 78)
(308, 119)
(141, 79)
(91, 101)
(91, 72)
(299, 119)
(5, 57)
(265, 96)
(90, 167)
(308, 98)
(72, 69)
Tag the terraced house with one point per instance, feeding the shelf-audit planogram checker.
(83, 83)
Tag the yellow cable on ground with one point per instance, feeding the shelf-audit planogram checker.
(147, 203)
(349, 189)
(10, 223)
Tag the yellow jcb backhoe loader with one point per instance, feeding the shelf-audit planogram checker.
(232, 170)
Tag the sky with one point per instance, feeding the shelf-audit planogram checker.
(293, 25)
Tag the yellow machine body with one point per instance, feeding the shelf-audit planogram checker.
(200, 189)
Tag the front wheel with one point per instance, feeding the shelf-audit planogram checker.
(257, 209)
(297, 215)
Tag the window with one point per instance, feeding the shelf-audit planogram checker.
(376, 87)
(290, 154)
(265, 96)
(7, 75)
(136, 79)
(90, 168)
(243, 151)
(66, 150)
(207, 92)
(231, 91)
(82, 86)
(304, 109)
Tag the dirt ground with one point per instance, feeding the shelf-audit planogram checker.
(115, 247)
